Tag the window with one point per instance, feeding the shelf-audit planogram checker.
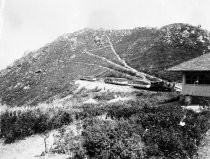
(192, 79)
(203, 78)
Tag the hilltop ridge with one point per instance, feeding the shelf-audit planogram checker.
(50, 70)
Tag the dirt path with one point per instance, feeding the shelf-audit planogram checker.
(24, 149)
(31, 148)
(204, 150)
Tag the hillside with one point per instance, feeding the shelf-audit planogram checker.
(50, 70)
(155, 50)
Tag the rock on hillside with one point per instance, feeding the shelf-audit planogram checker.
(49, 71)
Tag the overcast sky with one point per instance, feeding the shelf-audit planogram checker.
(29, 24)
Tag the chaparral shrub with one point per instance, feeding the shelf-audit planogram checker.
(104, 96)
(69, 143)
(158, 128)
(31, 121)
(107, 139)
(146, 128)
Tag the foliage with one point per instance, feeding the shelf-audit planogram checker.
(69, 143)
(146, 128)
(172, 139)
(104, 96)
(107, 139)
(128, 108)
(18, 124)
(157, 127)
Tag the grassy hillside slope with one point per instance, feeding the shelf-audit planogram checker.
(155, 50)
(49, 71)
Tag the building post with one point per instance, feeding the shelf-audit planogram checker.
(183, 78)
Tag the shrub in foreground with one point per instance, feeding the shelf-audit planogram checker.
(157, 129)
(26, 123)
(107, 139)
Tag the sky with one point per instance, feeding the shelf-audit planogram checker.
(27, 25)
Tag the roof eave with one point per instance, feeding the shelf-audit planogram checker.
(180, 70)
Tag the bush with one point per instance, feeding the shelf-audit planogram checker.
(91, 110)
(128, 108)
(69, 143)
(17, 126)
(113, 110)
(104, 96)
(123, 111)
(164, 130)
(157, 129)
(107, 139)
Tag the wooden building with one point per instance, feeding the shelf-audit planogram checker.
(195, 76)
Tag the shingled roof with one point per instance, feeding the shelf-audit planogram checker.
(201, 63)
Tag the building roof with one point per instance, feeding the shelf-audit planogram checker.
(201, 63)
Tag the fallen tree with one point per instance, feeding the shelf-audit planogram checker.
(122, 67)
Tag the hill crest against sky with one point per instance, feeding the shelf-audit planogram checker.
(29, 24)
(49, 71)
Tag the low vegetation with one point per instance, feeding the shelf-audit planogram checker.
(20, 122)
(153, 126)
(144, 131)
